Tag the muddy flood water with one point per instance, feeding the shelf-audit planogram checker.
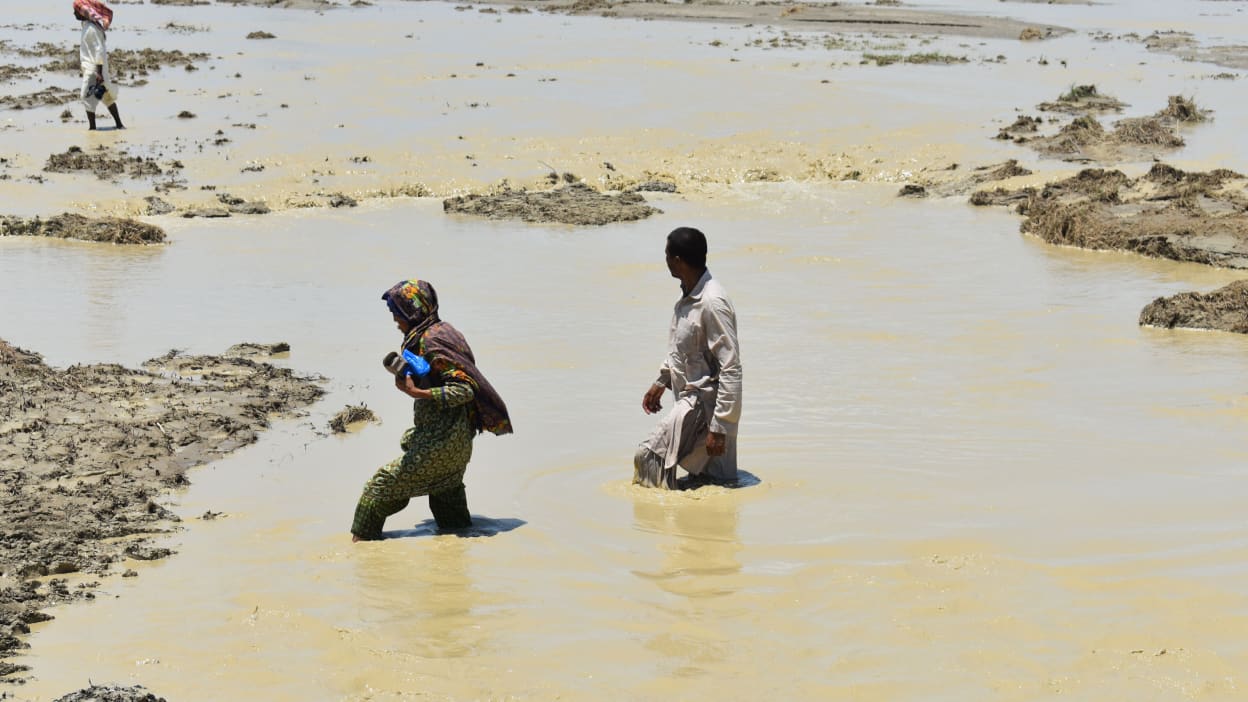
(973, 472)
(968, 473)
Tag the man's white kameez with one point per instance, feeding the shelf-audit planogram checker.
(703, 370)
(92, 52)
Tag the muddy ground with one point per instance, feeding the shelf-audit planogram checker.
(1186, 47)
(867, 17)
(1166, 213)
(110, 230)
(573, 203)
(1085, 139)
(1224, 309)
(111, 693)
(955, 180)
(87, 452)
(107, 164)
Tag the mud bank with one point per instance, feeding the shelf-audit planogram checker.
(86, 452)
(1085, 139)
(107, 164)
(574, 203)
(795, 15)
(1185, 46)
(1224, 309)
(1166, 213)
(952, 181)
(111, 230)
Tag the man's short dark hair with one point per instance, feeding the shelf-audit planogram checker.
(689, 245)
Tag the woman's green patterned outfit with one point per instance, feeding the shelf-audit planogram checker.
(435, 455)
(436, 449)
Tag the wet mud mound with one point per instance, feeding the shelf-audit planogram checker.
(575, 203)
(1185, 46)
(351, 414)
(1084, 138)
(86, 451)
(106, 164)
(1023, 128)
(111, 693)
(53, 96)
(111, 230)
(952, 183)
(254, 350)
(1225, 309)
(1083, 100)
(1166, 213)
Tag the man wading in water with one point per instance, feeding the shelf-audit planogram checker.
(97, 83)
(703, 369)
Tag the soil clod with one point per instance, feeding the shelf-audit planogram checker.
(157, 206)
(575, 203)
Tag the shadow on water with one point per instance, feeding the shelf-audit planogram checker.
(481, 526)
(744, 479)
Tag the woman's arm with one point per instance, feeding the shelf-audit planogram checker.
(408, 387)
(452, 393)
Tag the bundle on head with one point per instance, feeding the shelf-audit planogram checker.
(95, 11)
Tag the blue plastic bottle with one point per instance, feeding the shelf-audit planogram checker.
(416, 365)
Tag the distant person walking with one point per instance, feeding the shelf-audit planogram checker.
(702, 369)
(453, 403)
(97, 82)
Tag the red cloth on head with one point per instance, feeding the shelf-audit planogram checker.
(96, 11)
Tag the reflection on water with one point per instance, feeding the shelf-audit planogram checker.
(701, 544)
(427, 605)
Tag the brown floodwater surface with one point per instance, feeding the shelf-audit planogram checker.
(970, 474)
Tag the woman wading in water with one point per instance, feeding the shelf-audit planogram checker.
(454, 403)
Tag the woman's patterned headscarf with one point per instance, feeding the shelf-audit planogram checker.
(96, 11)
(446, 350)
(415, 302)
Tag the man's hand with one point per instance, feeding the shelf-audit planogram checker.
(651, 402)
(716, 444)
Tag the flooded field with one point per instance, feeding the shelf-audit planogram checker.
(970, 474)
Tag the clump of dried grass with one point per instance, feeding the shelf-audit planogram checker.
(1181, 109)
(1082, 132)
(1146, 131)
(1078, 92)
(350, 415)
